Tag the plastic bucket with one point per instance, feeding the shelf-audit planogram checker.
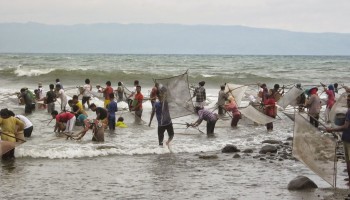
(339, 119)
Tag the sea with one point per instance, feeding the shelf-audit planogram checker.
(130, 164)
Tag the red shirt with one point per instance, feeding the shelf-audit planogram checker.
(139, 99)
(64, 117)
(108, 90)
(270, 107)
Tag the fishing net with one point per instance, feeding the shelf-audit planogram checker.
(178, 95)
(256, 116)
(237, 91)
(316, 150)
(6, 146)
(290, 97)
(338, 110)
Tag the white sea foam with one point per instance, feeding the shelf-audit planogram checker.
(32, 72)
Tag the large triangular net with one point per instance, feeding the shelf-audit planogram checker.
(6, 146)
(316, 150)
(255, 115)
(178, 95)
(290, 97)
(237, 91)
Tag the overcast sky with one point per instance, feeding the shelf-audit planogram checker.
(295, 15)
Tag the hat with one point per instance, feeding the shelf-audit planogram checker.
(40, 84)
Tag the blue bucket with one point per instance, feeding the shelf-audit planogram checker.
(339, 119)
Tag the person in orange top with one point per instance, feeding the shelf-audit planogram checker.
(10, 127)
(106, 91)
(270, 110)
(232, 106)
(137, 104)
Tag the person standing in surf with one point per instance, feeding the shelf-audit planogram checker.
(106, 91)
(161, 109)
(137, 104)
(270, 109)
(86, 93)
(200, 94)
(50, 99)
(232, 106)
(153, 95)
(222, 97)
(63, 97)
(132, 95)
(112, 108)
(330, 101)
(345, 128)
(120, 91)
(314, 106)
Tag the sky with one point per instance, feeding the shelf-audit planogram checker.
(293, 15)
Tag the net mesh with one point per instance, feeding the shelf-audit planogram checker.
(6, 146)
(340, 106)
(290, 97)
(314, 149)
(178, 95)
(256, 116)
(237, 91)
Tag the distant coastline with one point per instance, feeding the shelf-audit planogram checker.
(167, 39)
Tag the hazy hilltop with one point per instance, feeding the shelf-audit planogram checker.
(166, 39)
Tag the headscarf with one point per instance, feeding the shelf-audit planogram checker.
(331, 87)
(313, 90)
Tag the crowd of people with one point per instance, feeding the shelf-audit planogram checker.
(14, 126)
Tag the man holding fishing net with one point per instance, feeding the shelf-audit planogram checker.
(345, 128)
(161, 109)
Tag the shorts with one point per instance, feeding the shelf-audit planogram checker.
(346, 151)
(85, 99)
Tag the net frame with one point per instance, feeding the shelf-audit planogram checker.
(300, 143)
(177, 108)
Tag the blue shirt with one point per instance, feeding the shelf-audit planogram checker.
(346, 133)
(112, 108)
(162, 113)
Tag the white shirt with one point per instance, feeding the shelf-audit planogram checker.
(25, 120)
(87, 90)
(62, 95)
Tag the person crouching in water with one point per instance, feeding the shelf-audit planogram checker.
(161, 109)
(97, 130)
(208, 116)
(232, 106)
(64, 117)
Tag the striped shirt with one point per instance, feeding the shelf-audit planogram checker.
(206, 115)
(200, 94)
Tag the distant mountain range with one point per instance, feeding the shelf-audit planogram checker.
(166, 39)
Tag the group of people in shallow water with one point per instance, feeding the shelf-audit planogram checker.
(14, 126)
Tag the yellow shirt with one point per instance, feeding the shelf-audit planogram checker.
(80, 105)
(8, 126)
(121, 124)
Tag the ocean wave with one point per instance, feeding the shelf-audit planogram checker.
(31, 72)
